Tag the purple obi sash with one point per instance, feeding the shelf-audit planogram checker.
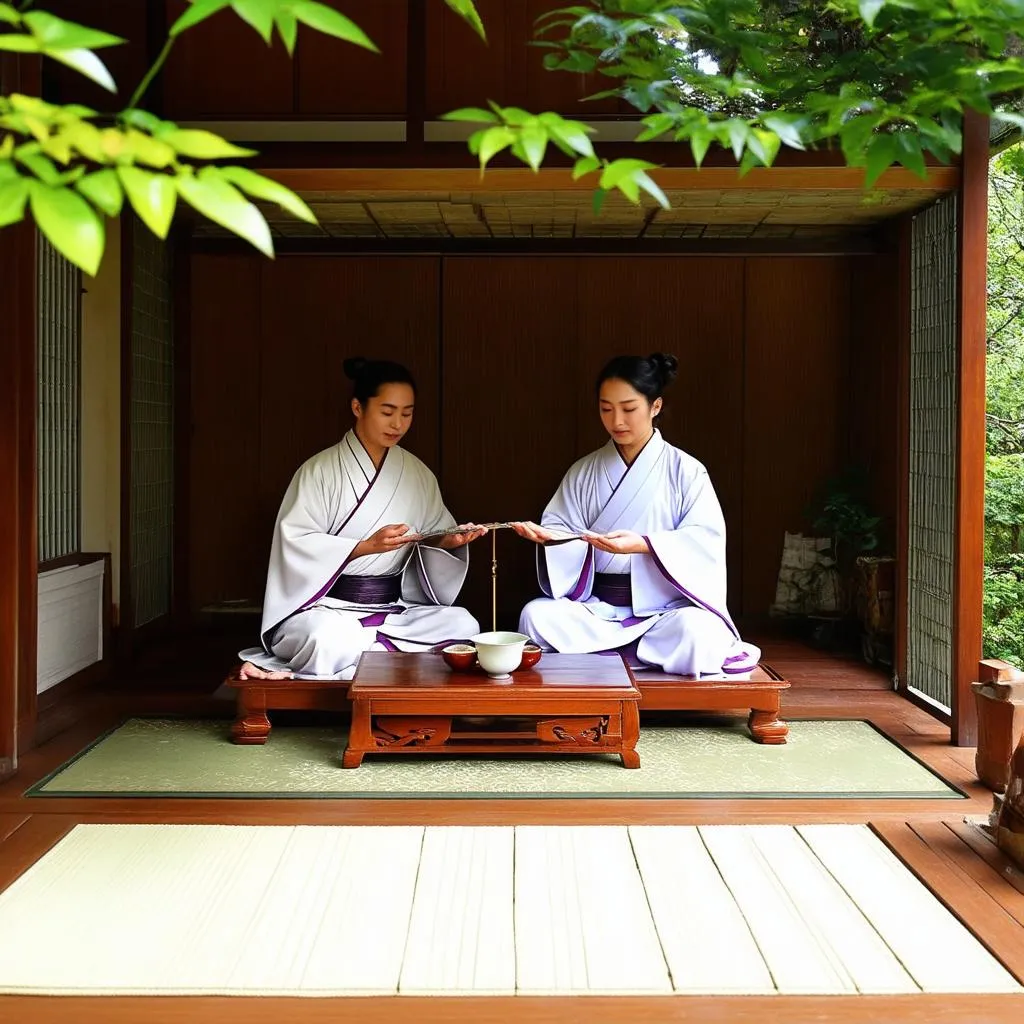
(613, 588)
(367, 589)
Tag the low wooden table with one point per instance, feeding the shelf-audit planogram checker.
(568, 704)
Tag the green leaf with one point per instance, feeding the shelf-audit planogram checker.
(624, 169)
(700, 142)
(466, 10)
(585, 165)
(145, 149)
(786, 130)
(198, 144)
(57, 34)
(268, 189)
(222, 203)
(764, 145)
(13, 196)
(257, 13)
(647, 183)
(869, 10)
(73, 227)
(288, 29)
(477, 115)
(493, 141)
(573, 134)
(598, 201)
(103, 190)
(42, 167)
(332, 23)
(19, 44)
(908, 152)
(153, 197)
(534, 140)
(737, 132)
(87, 63)
(199, 11)
(880, 156)
(9, 14)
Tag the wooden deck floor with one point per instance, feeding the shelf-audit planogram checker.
(958, 864)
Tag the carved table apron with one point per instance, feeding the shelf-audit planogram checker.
(567, 704)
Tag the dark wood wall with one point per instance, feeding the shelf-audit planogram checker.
(788, 375)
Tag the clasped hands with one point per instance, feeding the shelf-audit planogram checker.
(618, 542)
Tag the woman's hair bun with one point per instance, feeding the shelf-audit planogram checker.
(666, 365)
(354, 367)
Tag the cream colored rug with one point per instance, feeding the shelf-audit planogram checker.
(330, 910)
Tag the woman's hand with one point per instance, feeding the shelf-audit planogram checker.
(618, 542)
(386, 539)
(531, 531)
(469, 533)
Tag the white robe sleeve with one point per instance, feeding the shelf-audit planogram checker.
(434, 575)
(305, 558)
(566, 568)
(688, 561)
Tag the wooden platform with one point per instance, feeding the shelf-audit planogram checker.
(760, 695)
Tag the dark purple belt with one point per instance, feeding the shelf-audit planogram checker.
(613, 588)
(367, 589)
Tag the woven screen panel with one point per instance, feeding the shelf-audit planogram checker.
(933, 411)
(58, 423)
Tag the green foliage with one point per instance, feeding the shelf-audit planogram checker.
(1004, 484)
(841, 512)
(69, 167)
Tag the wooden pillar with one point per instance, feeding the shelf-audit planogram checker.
(969, 511)
(18, 565)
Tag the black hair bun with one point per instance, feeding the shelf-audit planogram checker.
(354, 367)
(667, 366)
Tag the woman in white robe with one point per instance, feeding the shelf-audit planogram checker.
(347, 572)
(645, 570)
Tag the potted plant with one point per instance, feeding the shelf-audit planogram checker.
(841, 514)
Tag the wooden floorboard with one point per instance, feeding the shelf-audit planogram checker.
(985, 848)
(10, 823)
(913, 1009)
(977, 909)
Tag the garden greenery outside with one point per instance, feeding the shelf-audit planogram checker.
(1004, 492)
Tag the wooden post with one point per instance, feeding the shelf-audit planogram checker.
(18, 567)
(969, 511)
(999, 697)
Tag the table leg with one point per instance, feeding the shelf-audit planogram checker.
(630, 734)
(360, 736)
(765, 727)
(251, 727)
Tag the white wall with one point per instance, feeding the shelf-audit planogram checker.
(101, 409)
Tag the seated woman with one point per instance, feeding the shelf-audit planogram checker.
(645, 572)
(340, 581)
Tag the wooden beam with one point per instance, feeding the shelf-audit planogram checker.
(969, 511)
(463, 179)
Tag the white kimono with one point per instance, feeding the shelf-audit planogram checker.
(334, 501)
(672, 612)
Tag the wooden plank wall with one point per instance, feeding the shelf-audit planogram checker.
(788, 374)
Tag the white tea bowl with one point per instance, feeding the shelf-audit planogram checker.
(499, 653)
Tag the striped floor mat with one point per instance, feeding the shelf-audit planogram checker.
(330, 910)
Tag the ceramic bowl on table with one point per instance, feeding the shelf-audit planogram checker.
(531, 655)
(459, 657)
(500, 652)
